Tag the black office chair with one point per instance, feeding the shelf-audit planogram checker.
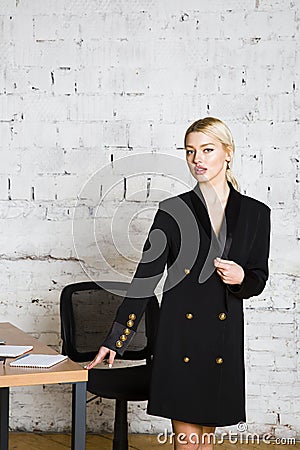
(87, 310)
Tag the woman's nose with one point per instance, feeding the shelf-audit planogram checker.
(197, 157)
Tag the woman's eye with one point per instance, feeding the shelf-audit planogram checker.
(209, 149)
(188, 152)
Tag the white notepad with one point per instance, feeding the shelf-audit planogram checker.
(12, 351)
(39, 361)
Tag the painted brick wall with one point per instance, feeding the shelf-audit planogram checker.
(84, 84)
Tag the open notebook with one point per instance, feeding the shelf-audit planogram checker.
(39, 361)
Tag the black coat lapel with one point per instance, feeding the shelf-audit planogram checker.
(200, 210)
(232, 214)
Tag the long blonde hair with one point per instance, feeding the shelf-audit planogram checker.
(218, 129)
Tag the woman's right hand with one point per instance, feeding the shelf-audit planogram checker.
(103, 351)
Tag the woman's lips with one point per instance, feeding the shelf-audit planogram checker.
(200, 170)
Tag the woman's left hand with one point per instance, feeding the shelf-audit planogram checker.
(229, 271)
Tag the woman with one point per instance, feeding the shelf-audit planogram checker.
(215, 242)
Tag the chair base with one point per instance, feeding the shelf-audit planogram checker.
(120, 441)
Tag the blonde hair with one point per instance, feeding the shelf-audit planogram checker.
(216, 128)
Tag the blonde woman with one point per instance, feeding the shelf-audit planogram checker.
(216, 248)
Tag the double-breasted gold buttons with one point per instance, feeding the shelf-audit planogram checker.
(126, 331)
(119, 344)
(189, 315)
(222, 316)
(187, 271)
(219, 360)
(130, 323)
(132, 316)
(186, 359)
(123, 337)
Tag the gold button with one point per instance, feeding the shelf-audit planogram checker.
(186, 359)
(187, 271)
(219, 360)
(130, 323)
(126, 331)
(132, 316)
(222, 316)
(119, 344)
(189, 315)
(123, 337)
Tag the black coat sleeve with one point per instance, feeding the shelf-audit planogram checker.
(146, 277)
(256, 269)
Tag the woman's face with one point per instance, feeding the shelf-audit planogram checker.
(206, 157)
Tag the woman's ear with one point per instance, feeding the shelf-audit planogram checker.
(229, 153)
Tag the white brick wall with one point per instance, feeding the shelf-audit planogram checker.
(86, 83)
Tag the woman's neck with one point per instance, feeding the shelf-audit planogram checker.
(215, 193)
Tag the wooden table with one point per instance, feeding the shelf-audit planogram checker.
(64, 372)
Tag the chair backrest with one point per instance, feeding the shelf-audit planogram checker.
(87, 311)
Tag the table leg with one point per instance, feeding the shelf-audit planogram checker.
(4, 415)
(78, 416)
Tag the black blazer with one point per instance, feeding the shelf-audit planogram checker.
(200, 338)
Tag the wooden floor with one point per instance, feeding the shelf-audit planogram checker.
(30, 441)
